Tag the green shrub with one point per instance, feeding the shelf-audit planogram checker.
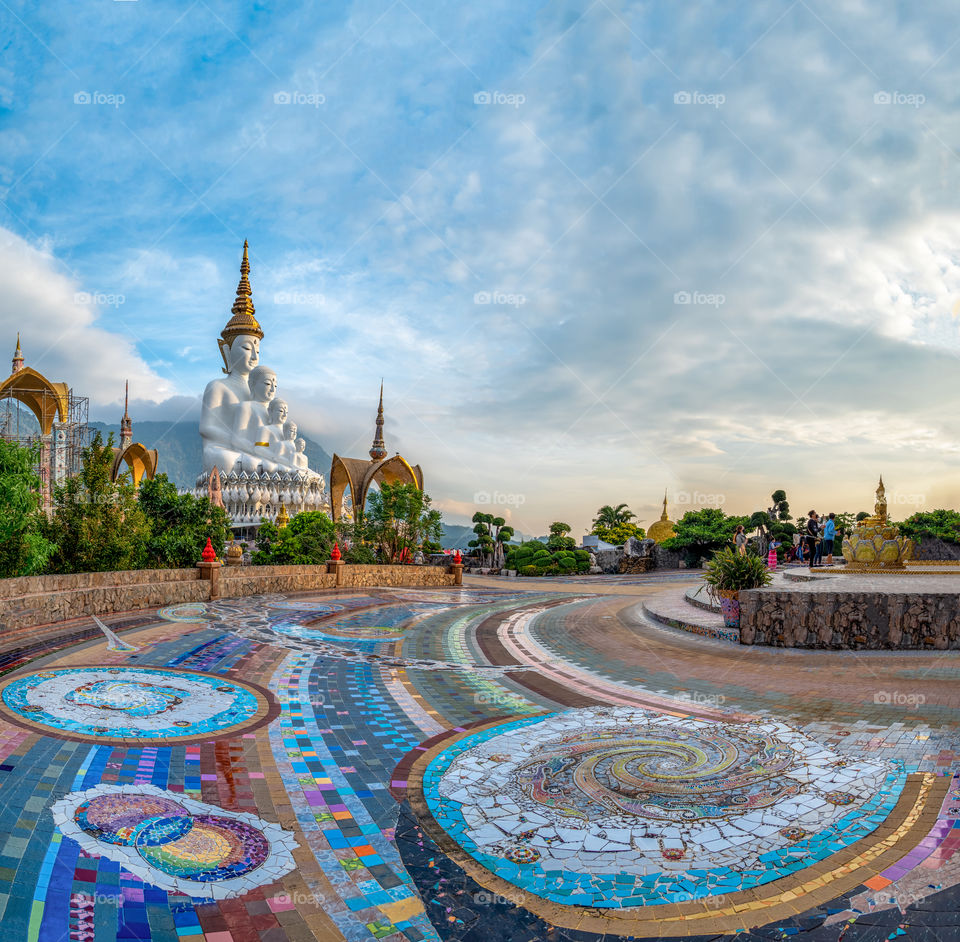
(529, 571)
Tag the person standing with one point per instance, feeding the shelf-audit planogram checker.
(829, 534)
(813, 529)
(772, 556)
(740, 539)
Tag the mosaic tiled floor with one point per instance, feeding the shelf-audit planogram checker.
(498, 762)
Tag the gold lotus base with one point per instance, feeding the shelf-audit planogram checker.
(876, 547)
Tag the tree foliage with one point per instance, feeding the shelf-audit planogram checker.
(24, 550)
(306, 540)
(534, 558)
(619, 533)
(932, 525)
(398, 518)
(179, 524)
(97, 525)
(610, 516)
(701, 533)
(492, 534)
(558, 537)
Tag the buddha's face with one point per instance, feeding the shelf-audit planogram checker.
(278, 412)
(290, 431)
(244, 354)
(263, 385)
(301, 444)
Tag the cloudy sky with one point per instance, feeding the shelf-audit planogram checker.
(595, 249)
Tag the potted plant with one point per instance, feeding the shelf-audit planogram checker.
(727, 574)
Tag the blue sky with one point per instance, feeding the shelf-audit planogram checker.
(595, 250)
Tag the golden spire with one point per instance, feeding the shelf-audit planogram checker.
(663, 516)
(17, 356)
(244, 319)
(126, 425)
(379, 450)
(283, 518)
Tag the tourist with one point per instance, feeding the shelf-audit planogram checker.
(829, 533)
(813, 529)
(818, 555)
(772, 556)
(740, 538)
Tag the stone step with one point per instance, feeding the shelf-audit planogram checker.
(674, 609)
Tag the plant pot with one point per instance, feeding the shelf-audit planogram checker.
(730, 607)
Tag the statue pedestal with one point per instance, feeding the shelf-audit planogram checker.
(211, 572)
(335, 566)
(456, 570)
(249, 498)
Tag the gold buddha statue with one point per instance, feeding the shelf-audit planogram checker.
(875, 542)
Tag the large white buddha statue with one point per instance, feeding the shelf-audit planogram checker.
(244, 426)
(240, 349)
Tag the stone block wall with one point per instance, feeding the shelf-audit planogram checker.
(43, 600)
(850, 620)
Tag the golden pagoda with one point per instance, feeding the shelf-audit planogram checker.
(663, 528)
(244, 319)
(875, 542)
(283, 518)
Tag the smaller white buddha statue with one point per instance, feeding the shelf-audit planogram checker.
(300, 458)
(287, 448)
(250, 433)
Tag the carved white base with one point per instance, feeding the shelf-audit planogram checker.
(248, 498)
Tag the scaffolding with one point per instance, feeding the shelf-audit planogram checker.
(60, 452)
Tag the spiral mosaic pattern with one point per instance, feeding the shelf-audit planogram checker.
(167, 839)
(639, 771)
(631, 807)
(130, 703)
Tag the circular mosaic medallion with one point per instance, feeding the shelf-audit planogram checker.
(140, 703)
(194, 613)
(636, 808)
(167, 839)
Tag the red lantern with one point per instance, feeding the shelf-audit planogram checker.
(209, 554)
(457, 558)
(335, 552)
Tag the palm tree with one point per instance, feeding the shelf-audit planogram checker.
(608, 516)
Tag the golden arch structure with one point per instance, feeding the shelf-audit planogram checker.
(140, 461)
(49, 402)
(359, 475)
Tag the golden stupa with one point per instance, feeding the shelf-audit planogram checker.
(663, 528)
(875, 542)
(283, 518)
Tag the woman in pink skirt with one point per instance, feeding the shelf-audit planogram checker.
(772, 556)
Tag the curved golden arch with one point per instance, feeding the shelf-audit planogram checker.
(46, 400)
(337, 485)
(141, 461)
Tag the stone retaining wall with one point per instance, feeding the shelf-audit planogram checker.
(850, 620)
(43, 600)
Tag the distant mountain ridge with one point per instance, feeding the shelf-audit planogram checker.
(181, 450)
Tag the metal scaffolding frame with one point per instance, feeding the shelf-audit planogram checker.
(60, 454)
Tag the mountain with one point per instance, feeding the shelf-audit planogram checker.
(180, 448)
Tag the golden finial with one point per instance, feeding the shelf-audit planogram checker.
(663, 516)
(283, 518)
(244, 319)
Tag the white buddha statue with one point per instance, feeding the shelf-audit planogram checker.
(287, 448)
(251, 419)
(300, 459)
(240, 349)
